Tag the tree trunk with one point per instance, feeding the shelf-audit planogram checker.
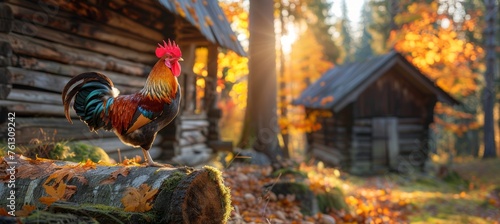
(261, 121)
(283, 83)
(179, 195)
(489, 90)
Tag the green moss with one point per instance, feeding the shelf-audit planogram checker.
(171, 183)
(67, 151)
(43, 217)
(455, 179)
(110, 214)
(216, 176)
(3, 149)
(101, 207)
(302, 193)
(332, 200)
(81, 152)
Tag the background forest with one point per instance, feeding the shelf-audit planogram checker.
(444, 39)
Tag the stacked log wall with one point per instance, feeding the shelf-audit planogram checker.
(332, 142)
(45, 43)
(412, 144)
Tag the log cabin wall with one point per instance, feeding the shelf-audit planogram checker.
(391, 126)
(45, 43)
(332, 142)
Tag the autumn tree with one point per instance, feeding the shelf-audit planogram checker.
(305, 67)
(260, 125)
(433, 41)
(489, 90)
(315, 14)
(301, 16)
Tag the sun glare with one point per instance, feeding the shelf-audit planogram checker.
(288, 39)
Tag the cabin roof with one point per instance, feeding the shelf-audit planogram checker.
(343, 84)
(209, 19)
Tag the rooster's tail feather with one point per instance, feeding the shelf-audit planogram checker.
(93, 98)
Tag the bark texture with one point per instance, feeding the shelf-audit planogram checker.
(184, 195)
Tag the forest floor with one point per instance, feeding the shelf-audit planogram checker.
(469, 195)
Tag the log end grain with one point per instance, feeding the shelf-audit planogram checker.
(201, 196)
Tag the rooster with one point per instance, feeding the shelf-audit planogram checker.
(134, 118)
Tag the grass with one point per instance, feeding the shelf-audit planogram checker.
(463, 196)
(458, 201)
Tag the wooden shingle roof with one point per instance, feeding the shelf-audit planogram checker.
(343, 84)
(209, 19)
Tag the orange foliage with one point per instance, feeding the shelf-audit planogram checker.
(26, 210)
(55, 185)
(138, 199)
(367, 204)
(440, 53)
(123, 171)
(443, 55)
(306, 64)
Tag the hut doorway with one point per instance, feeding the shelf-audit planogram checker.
(385, 146)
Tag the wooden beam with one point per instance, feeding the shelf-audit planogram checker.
(5, 50)
(5, 86)
(189, 81)
(48, 50)
(211, 83)
(56, 129)
(150, 16)
(71, 40)
(22, 45)
(393, 142)
(6, 18)
(95, 13)
(47, 81)
(66, 23)
(34, 96)
(37, 79)
(34, 109)
(30, 63)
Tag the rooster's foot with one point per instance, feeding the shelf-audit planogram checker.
(155, 164)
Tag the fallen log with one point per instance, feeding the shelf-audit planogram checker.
(113, 194)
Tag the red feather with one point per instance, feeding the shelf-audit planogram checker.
(123, 110)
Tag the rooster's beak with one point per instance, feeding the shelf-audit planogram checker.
(181, 59)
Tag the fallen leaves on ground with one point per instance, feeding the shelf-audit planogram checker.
(389, 198)
(253, 203)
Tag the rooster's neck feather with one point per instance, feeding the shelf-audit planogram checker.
(161, 84)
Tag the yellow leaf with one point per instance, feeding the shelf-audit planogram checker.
(47, 200)
(26, 210)
(138, 199)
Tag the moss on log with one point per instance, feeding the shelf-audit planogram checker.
(100, 193)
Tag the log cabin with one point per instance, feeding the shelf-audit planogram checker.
(44, 43)
(379, 115)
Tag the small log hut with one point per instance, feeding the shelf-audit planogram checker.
(381, 111)
(44, 43)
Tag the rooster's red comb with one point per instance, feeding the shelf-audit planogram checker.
(168, 48)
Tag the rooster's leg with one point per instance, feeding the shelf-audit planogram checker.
(150, 161)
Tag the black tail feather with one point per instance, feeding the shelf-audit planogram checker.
(89, 97)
